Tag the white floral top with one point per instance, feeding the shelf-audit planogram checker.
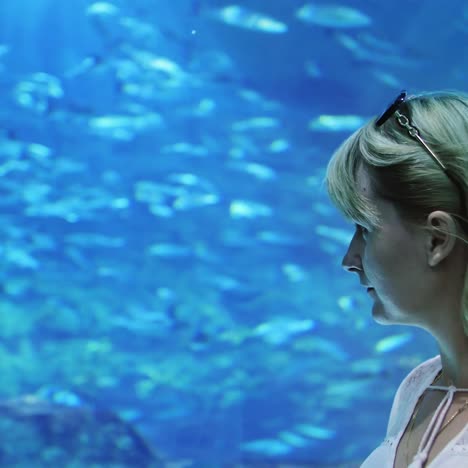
(454, 455)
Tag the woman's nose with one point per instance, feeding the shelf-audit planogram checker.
(352, 260)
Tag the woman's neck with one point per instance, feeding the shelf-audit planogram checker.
(454, 357)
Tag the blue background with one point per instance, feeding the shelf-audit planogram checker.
(168, 249)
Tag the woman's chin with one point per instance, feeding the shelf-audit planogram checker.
(380, 314)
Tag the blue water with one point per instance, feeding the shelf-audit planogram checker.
(168, 250)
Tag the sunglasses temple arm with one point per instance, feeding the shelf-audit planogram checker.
(436, 159)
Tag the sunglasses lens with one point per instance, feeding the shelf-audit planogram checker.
(391, 109)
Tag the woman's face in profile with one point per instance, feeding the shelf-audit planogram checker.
(390, 259)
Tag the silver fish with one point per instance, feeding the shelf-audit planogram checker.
(235, 15)
(333, 16)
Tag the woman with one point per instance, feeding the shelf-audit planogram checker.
(403, 180)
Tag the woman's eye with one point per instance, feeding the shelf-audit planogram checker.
(362, 229)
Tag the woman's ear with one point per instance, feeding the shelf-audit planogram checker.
(441, 240)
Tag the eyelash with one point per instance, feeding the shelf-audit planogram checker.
(363, 230)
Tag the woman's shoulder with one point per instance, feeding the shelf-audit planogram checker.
(421, 376)
(409, 390)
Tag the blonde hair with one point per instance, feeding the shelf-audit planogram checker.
(402, 172)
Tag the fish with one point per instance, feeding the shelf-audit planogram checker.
(38, 92)
(189, 179)
(102, 9)
(151, 62)
(371, 367)
(278, 238)
(293, 439)
(388, 79)
(86, 65)
(138, 29)
(146, 191)
(16, 287)
(294, 273)
(279, 145)
(336, 123)
(20, 257)
(314, 432)
(95, 240)
(282, 329)
(392, 342)
(167, 250)
(185, 148)
(269, 447)
(249, 209)
(256, 123)
(375, 52)
(333, 16)
(191, 201)
(38, 151)
(236, 15)
(259, 171)
(347, 303)
(315, 344)
(124, 127)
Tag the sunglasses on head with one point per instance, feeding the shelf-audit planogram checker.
(403, 120)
